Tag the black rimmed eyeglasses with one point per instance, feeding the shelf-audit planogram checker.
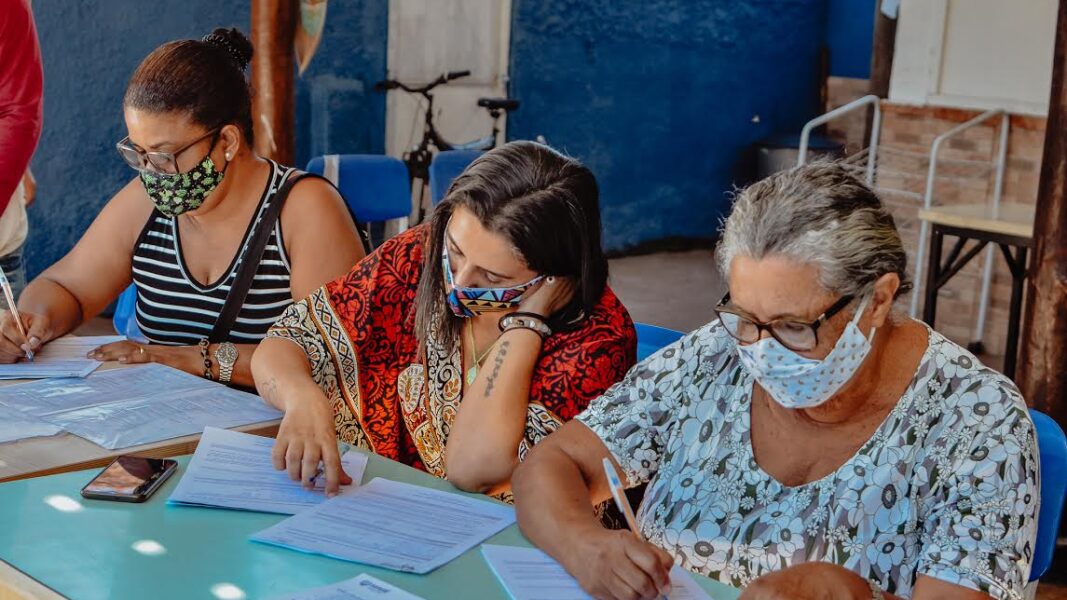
(161, 162)
(795, 335)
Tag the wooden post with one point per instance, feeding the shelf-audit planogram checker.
(883, 45)
(273, 105)
(1042, 374)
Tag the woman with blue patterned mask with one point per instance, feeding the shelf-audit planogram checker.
(184, 227)
(810, 442)
(460, 343)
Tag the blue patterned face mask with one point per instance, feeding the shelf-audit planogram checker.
(471, 301)
(796, 381)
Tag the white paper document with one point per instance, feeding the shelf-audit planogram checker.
(136, 405)
(233, 470)
(530, 574)
(16, 425)
(363, 587)
(62, 357)
(75, 346)
(392, 525)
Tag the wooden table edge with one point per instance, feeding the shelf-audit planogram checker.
(936, 217)
(167, 448)
(14, 584)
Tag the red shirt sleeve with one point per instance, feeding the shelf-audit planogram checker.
(375, 303)
(576, 367)
(21, 88)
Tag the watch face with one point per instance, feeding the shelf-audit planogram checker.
(226, 354)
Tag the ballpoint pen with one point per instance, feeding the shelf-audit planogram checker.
(619, 494)
(10, 297)
(316, 480)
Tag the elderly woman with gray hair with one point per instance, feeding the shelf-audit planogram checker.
(810, 443)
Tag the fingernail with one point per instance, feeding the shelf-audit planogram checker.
(122, 360)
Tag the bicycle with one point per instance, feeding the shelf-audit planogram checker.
(418, 159)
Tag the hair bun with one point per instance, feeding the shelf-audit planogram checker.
(235, 43)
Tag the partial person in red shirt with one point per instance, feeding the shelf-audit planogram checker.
(21, 88)
(457, 345)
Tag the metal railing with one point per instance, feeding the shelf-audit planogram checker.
(928, 199)
(876, 127)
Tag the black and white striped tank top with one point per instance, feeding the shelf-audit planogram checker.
(174, 309)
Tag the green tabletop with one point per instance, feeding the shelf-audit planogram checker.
(92, 550)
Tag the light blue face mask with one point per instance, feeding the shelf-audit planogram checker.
(795, 381)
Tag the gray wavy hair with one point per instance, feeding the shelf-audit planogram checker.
(818, 214)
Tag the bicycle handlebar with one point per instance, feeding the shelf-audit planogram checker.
(392, 84)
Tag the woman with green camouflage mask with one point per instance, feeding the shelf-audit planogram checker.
(187, 230)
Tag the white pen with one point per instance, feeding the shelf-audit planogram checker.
(316, 479)
(10, 297)
(619, 494)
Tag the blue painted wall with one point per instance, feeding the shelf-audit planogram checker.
(337, 110)
(90, 50)
(849, 34)
(663, 99)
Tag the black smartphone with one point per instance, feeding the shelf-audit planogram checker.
(130, 479)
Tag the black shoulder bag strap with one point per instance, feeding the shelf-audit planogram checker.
(253, 254)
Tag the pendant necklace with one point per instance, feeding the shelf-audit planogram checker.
(476, 361)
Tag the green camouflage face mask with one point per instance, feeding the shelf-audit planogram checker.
(177, 193)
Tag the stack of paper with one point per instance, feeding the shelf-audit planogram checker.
(392, 525)
(530, 574)
(234, 470)
(15, 425)
(136, 405)
(62, 357)
(75, 346)
(363, 587)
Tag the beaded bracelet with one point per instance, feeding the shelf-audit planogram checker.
(522, 320)
(205, 346)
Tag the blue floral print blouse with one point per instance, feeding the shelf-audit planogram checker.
(947, 487)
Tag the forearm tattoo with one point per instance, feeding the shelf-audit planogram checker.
(500, 354)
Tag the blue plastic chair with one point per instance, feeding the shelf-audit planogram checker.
(650, 339)
(125, 318)
(374, 186)
(444, 169)
(1052, 448)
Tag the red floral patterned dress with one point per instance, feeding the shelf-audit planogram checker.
(358, 333)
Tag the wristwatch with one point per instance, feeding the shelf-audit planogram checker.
(226, 355)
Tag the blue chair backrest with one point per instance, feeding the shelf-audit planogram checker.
(125, 317)
(650, 339)
(374, 186)
(444, 169)
(1052, 446)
